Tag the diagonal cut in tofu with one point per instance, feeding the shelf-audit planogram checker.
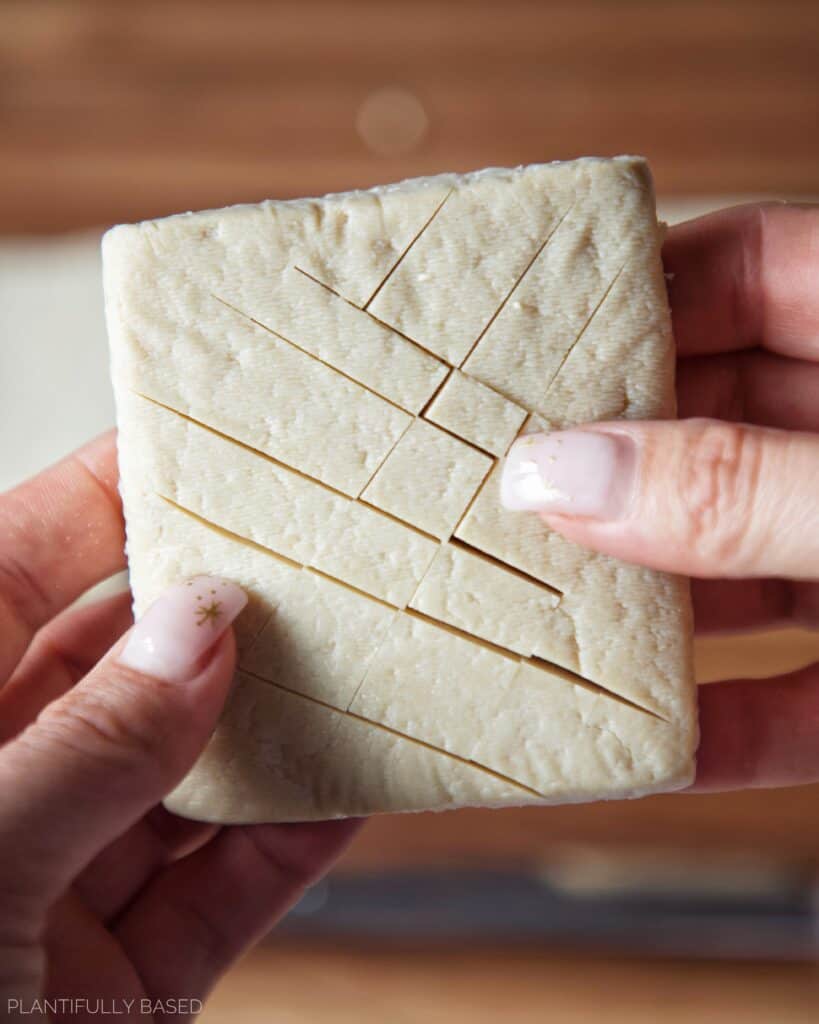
(314, 398)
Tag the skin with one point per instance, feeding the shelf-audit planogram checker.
(105, 894)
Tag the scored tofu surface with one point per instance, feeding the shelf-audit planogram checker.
(314, 398)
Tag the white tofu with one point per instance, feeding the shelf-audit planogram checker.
(490, 232)
(303, 520)
(642, 664)
(313, 399)
(476, 413)
(428, 479)
(279, 756)
(181, 346)
(464, 589)
(308, 640)
(491, 712)
(329, 327)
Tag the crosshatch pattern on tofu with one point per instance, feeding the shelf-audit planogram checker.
(314, 399)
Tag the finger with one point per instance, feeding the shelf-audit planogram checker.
(760, 732)
(699, 497)
(180, 836)
(83, 959)
(734, 605)
(62, 653)
(744, 277)
(115, 876)
(99, 757)
(196, 917)
(60, 533)
(59, 656)
(750, 387)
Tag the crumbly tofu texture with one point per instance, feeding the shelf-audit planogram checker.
(478, 414)
(450, 472)
(314, 398)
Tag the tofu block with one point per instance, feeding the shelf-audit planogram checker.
(314, 398)
(476, 413)
(321, 322)
(610, 646)
(410, 687)
(286, 603)
(308, 640)
(228, 484)
(491, 233)
(180, 342)
(428, 479)
(490, 601)
(318, 764)
(584, 740)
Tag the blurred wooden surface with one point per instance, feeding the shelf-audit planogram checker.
(780, 822)
(113, 111)
(416, 985)
(116, 111)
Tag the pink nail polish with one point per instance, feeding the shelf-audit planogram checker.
(572, 472)
(181, 626)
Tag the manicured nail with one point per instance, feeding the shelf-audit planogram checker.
(573, 472)
(186, 621)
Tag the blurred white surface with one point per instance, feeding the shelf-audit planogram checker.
(54, 388)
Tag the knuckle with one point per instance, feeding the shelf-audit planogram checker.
(208, 936)
(745, 293)
(23, 593)
(121, 724)
(718, 478)
(294, 874)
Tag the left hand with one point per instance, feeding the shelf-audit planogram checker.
(104, 895)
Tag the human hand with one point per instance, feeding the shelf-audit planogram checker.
(103, 893)
(731, 494)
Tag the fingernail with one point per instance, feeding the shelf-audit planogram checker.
(573, 472)
(181, 626)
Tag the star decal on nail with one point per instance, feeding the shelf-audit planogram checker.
(208, 612)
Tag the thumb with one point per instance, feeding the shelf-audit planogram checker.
(98, 758)
(699, 497)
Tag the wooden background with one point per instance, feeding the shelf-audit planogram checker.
(116, 111)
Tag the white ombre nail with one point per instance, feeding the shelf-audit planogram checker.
(571, 472)
(181, 626)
